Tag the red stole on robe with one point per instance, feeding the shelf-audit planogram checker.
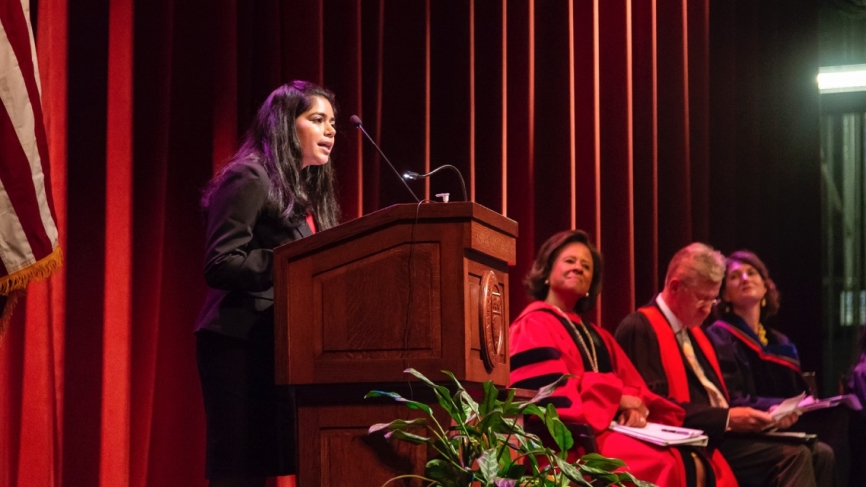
(678, 386)
(762, 354)
(675, 369)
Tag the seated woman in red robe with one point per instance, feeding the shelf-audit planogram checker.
(549, 340)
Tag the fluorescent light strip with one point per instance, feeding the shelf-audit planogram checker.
(842, 79)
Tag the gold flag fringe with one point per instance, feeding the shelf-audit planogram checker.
(18, 280)
(6, 312)
(14, 284)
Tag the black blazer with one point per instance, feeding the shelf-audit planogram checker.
(240, 238)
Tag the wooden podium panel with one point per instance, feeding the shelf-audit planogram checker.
(339, 452)
(421, 286)
(362, 301)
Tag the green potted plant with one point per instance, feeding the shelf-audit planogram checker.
(486, 445)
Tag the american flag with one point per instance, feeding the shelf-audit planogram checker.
(28, 233)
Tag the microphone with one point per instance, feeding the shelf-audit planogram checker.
(415, 176)
(356, 121)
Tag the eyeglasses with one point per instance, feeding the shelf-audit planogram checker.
(701, 301)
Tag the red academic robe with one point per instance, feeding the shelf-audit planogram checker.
(676, 376)
(593, 398)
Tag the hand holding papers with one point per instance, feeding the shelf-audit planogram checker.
(809, 403)
(803, 404)
(660, 434)
(787, 407)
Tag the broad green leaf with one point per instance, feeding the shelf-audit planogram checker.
(516, 471)
(532, 443)
(510, 407)
(398, 424)
(550, 412)
(598, 461)
(547, 390)
(489, 401)
(485, 443)
(423, 378)
(447, 474)
(571, 472)
(456, 382)
(443, 395)
(504, 457)
(558, 430)
(489, 466)
(561, 435)
(599, 472)
(408, 437)
(465, 406)
(378, 427)
(492, 423)
(469, 406)
(392, 395)
(397, 397)
(509, 396)
(627, 477)
(512, 425)
(530, 410)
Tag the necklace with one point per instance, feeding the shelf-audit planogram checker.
(592, 357)
(762, 335)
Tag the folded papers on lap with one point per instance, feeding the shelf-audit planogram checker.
(787, 406)
(809, 403)
(664, 435)
(802, 403)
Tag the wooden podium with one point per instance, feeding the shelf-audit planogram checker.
(421, 286)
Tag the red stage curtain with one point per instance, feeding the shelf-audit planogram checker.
(594, 114)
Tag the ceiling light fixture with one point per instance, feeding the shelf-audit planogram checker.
(842, 79)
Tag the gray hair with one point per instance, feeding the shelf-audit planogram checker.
(697, 262)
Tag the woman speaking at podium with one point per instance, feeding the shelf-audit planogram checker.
(278, 187)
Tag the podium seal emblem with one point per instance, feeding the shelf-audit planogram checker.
(491, 310)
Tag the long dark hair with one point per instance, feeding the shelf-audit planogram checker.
(272, 140)
(535, 281)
